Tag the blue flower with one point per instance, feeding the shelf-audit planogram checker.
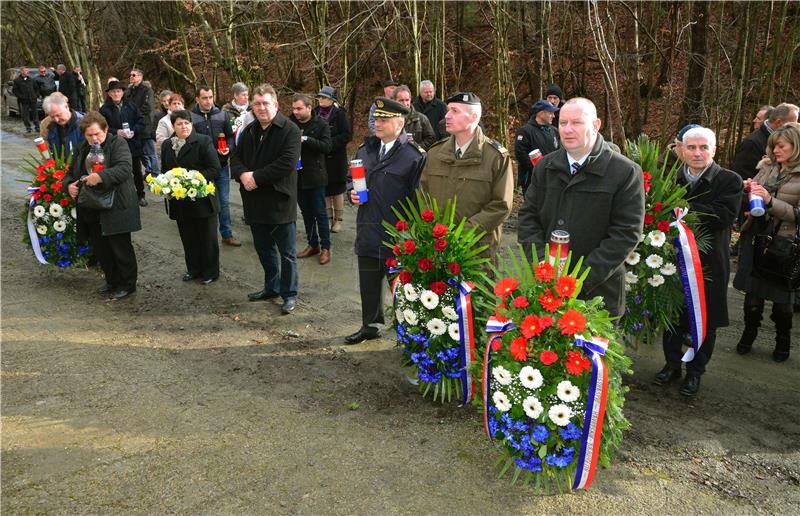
(82, 249)
(59, 236)
(638, 326)
(534, 464)
(45, 239)
(647, 313)
(540, 433)
(569, 432)
(493, 427)
(637, 299)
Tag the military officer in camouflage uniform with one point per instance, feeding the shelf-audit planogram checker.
(473, 168)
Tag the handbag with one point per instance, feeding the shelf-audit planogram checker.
(777, 259)
(95, 199)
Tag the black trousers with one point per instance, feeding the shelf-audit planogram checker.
(27, 110)
(673, 348)
(371, 280)
(138, 179)
(116, 257)
(200, 246)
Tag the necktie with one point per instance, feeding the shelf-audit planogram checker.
(575, 167)
(382, 153)
(458, 153)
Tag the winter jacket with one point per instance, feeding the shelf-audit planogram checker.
(389, 181)
(750, 152)
(212, 124)
(125, 113)
(123, 217)
(435, 111)
(233, 111)
(67, 138)
(313, 150)
(199, 154)
(141, 96)
(532, 136)
(419, 127)
(68, 85)
(601, 207)
(336, 163)
(271, 154)
(45, 85)
(482, 182)
(24, 88)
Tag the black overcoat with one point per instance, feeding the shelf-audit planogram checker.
(199, 154)
(127, 113)
(336, 164)
(312, 152)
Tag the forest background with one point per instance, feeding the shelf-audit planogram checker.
(648, 66)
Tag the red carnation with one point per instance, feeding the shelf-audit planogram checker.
(572, 322)
(439, 287)
(43, 188)
(521, 302)
(401, 225)
(647, 176)
(36, 195)
(404, 277)
(565, 286)
(544, 271)
(519, 349)
(391, 262)
(505, 286)
(427, 215)
(663, 226)
(396, 249)
(424, 264)
(497, 344)
(576, 363)
(57, 187)
(547, 357)
(40, 169)
(648, 219)
(455, 268)
(440, 244)
(58, 174)
(409, 246)
(439, 230)
(550, 302)
(41, 178)
(658, 206)
(64, 202)
(646, 187)
(49, 163)
(48, 197)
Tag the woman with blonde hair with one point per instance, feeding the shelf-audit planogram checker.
(778, 183)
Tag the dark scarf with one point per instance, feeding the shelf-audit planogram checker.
(325, 112)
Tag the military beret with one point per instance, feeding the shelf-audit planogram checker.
(465, 97)
(388, 108)
(684, 130)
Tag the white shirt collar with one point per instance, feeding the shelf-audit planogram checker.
(464, 147)
(580, 161)
(387, 146)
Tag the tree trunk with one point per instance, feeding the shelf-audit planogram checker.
(692, 110)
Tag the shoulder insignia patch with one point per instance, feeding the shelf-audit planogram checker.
(519, 138)
(497, 145)
(418, 147)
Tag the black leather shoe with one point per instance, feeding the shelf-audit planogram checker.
(262, 294)
(142, 202)
(288, 306)
(105, 289)
(667, 375)
(188, 277)
(121, 294)
(208, 281)
(690, 385)
(367, 333)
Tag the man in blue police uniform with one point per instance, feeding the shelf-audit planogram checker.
(393, 166)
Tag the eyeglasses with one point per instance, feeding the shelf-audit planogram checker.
(134, 75)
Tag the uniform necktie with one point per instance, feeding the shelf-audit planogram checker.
(458, 153)
(575, 167)
(382, 153)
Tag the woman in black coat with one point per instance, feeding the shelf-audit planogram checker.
(336, 162)
(197, 221)
(108, 231)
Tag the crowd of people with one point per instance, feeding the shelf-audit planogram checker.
(571, 178)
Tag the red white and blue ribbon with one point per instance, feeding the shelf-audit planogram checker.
(495, 328)
(466, 335)
(691, 273)
(595, 348)
(34, 236)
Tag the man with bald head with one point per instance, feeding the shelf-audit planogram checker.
(593, 193)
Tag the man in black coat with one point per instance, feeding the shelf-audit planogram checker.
(141, 95)
(312, 177)
(754, 147)
(432, 107)
(210, 120)
(715, 194)
(45, 82)
(593, 193)
(68, 85)
(24, 88)
(537, 133)
(264, 163)
(393, 167)
(119, 112)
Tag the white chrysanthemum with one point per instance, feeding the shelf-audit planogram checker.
(657, 238)
(450, 313)
(668, 269)
(164, 179)
(429, 299)
(533, 408)
(166, 190)
(657, 280)
(654, 261)
(192, 193)
(195, 182)
(567, 392)
(501, 375)
(188, 174)
(410, 317)
(560, 414)
(631, 277)
(174, 182)
(530, 377)
(633, 258)
(73, 213)
(56, 210)
(454, 331)
(39, 211)
(59, 226)
(410, 292)
(42, 230)
(436, 326)
(501, 401)
(399, 314)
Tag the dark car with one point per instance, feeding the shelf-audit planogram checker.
(10, 103)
